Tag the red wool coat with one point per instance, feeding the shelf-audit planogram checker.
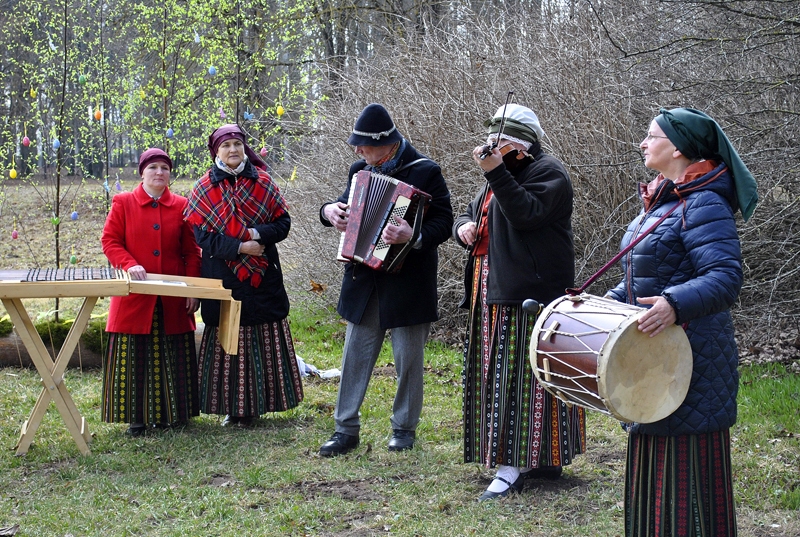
(153, 234)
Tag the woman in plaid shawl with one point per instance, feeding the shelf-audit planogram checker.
(239, 215)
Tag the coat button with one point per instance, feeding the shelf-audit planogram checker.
(156, 226)
(154, 205)
(156, 253)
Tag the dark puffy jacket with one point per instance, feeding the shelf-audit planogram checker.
(693, 259)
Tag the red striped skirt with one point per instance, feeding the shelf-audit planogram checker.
(262, 377)
(679, 486)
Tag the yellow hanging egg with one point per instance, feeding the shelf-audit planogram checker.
(13, 173)
(280, 111)
(33, 93)
(142, 94)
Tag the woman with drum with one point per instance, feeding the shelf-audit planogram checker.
(688, 271)
(150, 365)
(239, 216)
(518, 232)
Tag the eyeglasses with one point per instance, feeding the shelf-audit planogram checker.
(651, 137)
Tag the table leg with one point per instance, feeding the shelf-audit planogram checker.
(52, 374)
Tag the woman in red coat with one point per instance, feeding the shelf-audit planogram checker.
(150, 365)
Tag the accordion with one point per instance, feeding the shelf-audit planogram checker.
(377, 200)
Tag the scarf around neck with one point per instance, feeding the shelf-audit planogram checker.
(390, 165)
(227, 169)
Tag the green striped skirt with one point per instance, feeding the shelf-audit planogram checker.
(150, 378)
(509, 418)
(262, 377)
(679, 486)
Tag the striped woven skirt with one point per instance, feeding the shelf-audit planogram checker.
(509, 418)
(262, 377)
(679, 486)
(150, 378)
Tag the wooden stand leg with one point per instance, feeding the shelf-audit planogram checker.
(229, 325)
(52, 374)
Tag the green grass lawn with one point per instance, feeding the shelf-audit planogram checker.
(206, 480)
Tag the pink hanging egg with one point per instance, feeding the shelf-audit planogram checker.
(26, 141)
(14, 234)
(263, 151)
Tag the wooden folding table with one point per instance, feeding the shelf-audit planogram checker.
(91, 284)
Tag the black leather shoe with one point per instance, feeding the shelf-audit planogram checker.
(136, 429)
(245, 422)
(516, 486)
(339, 444)
(543, 472)
(230, 420)
(402, 440)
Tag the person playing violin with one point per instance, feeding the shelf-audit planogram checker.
(518, 233)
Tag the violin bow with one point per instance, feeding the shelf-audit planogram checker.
(488, 149)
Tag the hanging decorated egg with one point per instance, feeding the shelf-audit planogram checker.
(248, 116)
(74, 215)
(26, 141)
(118, 185)
(212, 70)
(222, 113)
(33, 93)
(56, 143)
(12, 173)
(196, 37)
(98, 115)
(14, 234)
(263, 151)
(280, 111)
(170, 132)
(73, 259)
(142, 94)
(82, 79)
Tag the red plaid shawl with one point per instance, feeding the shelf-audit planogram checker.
(231, 209)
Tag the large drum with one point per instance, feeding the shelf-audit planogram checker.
(587, 350)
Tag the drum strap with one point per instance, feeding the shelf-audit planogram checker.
(576, 291)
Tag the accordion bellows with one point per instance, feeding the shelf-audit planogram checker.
(376, 200)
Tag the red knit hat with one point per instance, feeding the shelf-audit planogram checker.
(151, 155)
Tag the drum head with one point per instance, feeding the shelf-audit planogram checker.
(641, 378)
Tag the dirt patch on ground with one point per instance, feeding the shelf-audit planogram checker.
(358, 490)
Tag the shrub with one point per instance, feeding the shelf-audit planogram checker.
(6, 326)
(94, 337)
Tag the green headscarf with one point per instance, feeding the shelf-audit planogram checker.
(697, 135)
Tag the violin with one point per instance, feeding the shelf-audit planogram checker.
(515, 159)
